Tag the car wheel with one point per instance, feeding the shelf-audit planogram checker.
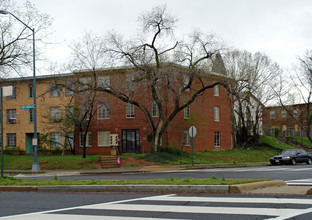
(309, 161)
(273, 163)
(293, 161)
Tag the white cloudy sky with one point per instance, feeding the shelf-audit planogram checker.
(279, 28)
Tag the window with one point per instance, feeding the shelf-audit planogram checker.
(130, 82)
(55, 139)
(85, 82)
(217, 139)
(11, 140)
(55, 91)
(104, 138)
(103, 81)
(216, 112)
(284, 127)
(103, 111)
(155, 110)
(88, 139)
(55, 114)
(13, 96)
(130, 111)
(31, 115)
(284, 113)
(11, 116)
(69, 139)
(187, 112)
(69, 88)
(186, 138)
(216, 90)
(272, 114)
(186, 81)
(296, 112)
(30, 91)
(69, 113)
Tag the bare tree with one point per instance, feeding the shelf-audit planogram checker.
(16, 39)
(297, 89)
(254, 75)
(170, 72)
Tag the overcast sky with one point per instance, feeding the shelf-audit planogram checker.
(279, 28)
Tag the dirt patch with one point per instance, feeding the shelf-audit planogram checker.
(134, 162)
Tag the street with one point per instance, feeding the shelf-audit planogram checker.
(298, 174)
(43, 206)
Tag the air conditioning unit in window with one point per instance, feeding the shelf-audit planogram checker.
(114, 139)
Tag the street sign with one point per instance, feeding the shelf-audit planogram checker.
(34, 141)
(27, 107)
(192, 131)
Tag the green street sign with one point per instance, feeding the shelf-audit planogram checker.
(27, 107)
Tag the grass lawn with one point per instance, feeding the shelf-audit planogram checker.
(275, 143)
(10, 181)
(303, 140)
(54, 162)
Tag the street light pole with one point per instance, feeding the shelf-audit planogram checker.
(35, 166)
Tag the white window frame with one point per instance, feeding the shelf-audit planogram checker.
(56, 139)
(284, 113)
(217, 139)
(187, 138)
(70, 139)
(186, 80)
(296, 112)
(88, 139)
(155, 110)
(11, 139)
(103, 111)
(55, 91)
(130, 82)
(11, 116)
(272, 115)
(216, 113)
(104, 82)
(187, 112)
(104, 139)
(130, 110)
(69, 88)
(85, 82)
(216, 91)
(55, 113)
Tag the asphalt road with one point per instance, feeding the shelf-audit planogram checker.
(282, 172)
(44, 206)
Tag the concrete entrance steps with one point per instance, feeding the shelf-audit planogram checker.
(109, 162)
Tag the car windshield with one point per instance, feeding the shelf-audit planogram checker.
(288, 152)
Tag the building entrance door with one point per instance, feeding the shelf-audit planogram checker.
(131, 141)
(29, 146)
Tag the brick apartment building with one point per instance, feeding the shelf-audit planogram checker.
(277, 121)
(210, 113)
(18, 123)
(113, 119)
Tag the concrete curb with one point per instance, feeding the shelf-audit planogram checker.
(215, 189)
(242, 188)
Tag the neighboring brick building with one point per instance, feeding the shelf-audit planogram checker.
(277, 121)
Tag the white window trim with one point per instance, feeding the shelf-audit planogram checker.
(130, 110)
(284, 113)
(87, 139)
(187, 141)
(216, 91)
(107, 106)
(216, 113)
(103, 144)
(187, 112)
(219, 139)
(55, 142)
(155, 114)
(272, 115)
(104, 81)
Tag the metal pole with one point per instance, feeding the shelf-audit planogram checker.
(192, 147)
(35, 166)
(1, 139)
